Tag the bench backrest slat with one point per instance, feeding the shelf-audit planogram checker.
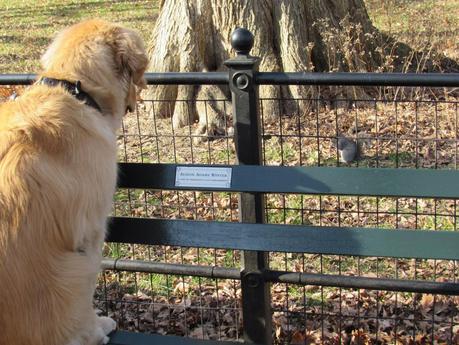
(287, 238)
(387, 182)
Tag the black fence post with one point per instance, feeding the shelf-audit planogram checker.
(256, 299)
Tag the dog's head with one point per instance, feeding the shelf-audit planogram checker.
(109, 58)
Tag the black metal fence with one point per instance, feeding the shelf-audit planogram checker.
(401, 121)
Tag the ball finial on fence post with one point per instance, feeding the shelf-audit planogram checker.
(242, 41)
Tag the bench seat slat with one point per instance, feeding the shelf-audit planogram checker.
(287, 238)
(306, 180)
(130, 338)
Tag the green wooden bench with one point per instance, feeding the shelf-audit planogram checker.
(415, 183)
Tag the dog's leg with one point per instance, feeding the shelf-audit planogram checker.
(78, 272)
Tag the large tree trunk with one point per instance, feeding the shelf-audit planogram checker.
(299, 35)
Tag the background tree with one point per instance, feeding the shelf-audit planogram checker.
(300, 35)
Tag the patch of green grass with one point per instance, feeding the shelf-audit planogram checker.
(116, 250)
(28, 26)
(396, 16)
(155, 282)
(414, 22)
(222, 156)
(436, 223)
(400, 157)
(277, 152)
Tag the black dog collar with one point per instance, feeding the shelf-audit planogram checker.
(74, 89)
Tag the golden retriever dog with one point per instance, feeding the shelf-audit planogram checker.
(58, 174)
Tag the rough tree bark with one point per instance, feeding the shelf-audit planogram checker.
(299, 35)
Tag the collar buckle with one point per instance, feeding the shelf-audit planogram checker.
(74, 89)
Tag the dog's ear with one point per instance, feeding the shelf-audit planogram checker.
(130, 55)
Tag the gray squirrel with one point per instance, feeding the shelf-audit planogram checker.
(352, 149)
(348, 149)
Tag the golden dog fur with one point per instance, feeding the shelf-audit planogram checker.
(57, 179)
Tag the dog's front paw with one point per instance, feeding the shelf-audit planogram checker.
(107, 324)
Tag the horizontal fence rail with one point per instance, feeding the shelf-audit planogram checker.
(168, 268)
(200, 78)
(359, 79)
(17, 79)
(298, 278)
(287, 78)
